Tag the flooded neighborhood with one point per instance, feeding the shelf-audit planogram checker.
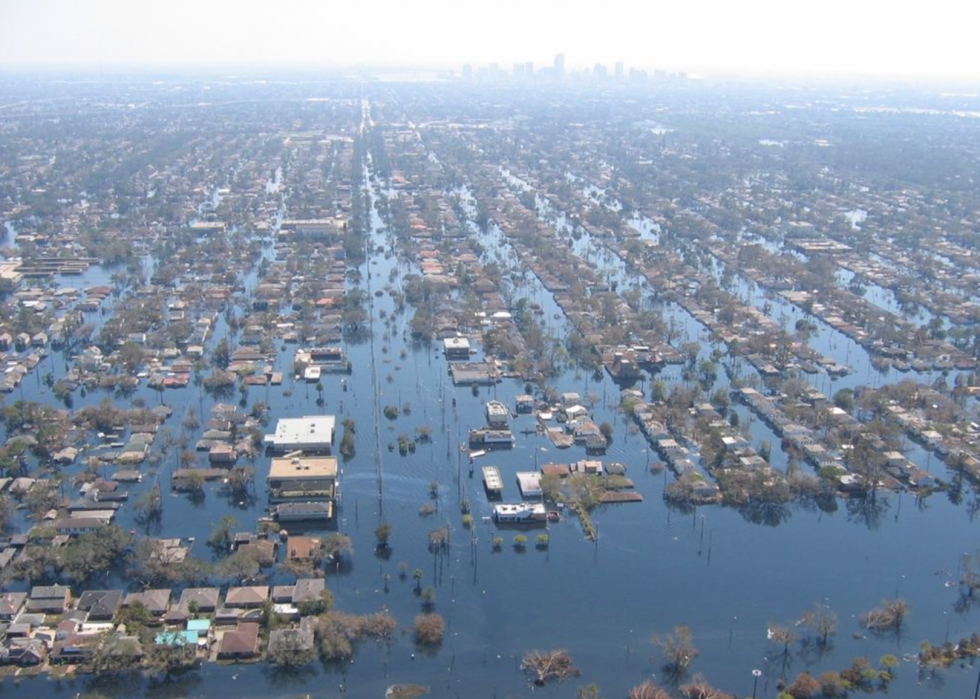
(328, 386)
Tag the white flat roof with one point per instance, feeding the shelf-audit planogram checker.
(310, 430)
(529, 482)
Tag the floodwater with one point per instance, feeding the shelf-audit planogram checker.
(726, 573)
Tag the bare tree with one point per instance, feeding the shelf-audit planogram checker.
(888, 617)
(781, 636)
(647, 690)
(544, 666)
(700, 689)
(823, 622)
(678, 649)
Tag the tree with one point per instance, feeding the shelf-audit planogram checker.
(700, 689)
(41, 498)
(544, 666)
(781, 636)
(149, 505)
(382, 533)
(268, 620)
(192, 483)
(337, 545)
(678, 649)
(888, 617)
(647, 690)
(589, 691)
(844, 399)
(116, 653)
(348, 441)
(823, 622)
(221, 356)
(240, 566)
(290, 649)
(832, 684)
(417, 576)
(337, 632)
(96, 552)
(551, 487)
(187, 459)
(190, 421)
(429, 629)
(317, 606)
(134, 617)
(428, 598)
(130, 357)
(7, 509)
(222, 535)
(240, 482)
(439, 540)
(804, 687)
(172, 657)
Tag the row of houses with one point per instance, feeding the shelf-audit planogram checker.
(47, 623)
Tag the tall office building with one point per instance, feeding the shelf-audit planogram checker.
(560, 64)
(620, 69)
(467, 72)
(529, 68)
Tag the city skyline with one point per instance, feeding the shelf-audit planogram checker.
(872, 39)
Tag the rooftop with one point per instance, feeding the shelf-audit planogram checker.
(311, 431)
(303, 467)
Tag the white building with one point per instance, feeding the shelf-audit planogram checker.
(456, 348)
(311, 433)
(530, 484)
(498, 414)
(522, 513)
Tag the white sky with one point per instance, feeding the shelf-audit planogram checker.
(877, 38)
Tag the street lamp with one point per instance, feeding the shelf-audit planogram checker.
(755, 681)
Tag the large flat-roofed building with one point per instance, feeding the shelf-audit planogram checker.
(9, 274)
(469, 373)
(302, 478)
(530, 484)
(310, 228)
(311, 433)
(304, 511)
(456, 348)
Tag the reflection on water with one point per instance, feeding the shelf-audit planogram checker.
(726, 573)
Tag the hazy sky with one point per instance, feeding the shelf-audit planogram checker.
(893, 38)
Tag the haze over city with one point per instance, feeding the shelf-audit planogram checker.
(835, 38)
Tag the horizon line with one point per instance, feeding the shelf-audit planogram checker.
(454, 69)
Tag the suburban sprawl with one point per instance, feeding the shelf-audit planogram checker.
(336, 386)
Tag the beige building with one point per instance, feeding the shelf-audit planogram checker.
(298, 478)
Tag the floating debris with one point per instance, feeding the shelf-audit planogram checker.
(406, 691)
